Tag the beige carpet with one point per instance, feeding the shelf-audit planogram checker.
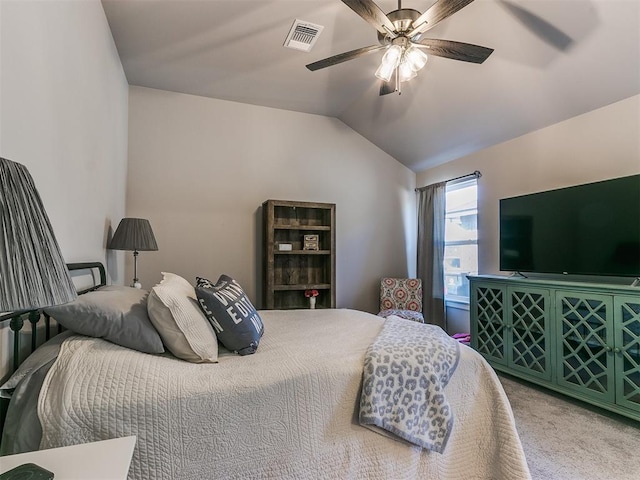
(564, 439)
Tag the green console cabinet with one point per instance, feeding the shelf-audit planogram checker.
(488, 332)
(627, 351)
(584, 334)
(580, 339)
(510, 327)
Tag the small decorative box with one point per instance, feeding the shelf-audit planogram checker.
(285, 247)
(311, 242)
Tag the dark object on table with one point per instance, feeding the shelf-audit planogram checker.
(27, 471)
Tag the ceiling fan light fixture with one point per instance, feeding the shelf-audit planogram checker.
(416, 58)
(406, 72)
(390, 60)
(384, 72)
(392, 56)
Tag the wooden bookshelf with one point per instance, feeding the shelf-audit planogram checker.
(288, 273)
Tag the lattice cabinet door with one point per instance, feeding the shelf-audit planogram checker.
(585, 342)
(627, 352)
(488, 335)
(529, 331)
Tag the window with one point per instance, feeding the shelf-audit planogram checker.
(461, 239)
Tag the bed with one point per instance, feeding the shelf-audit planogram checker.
(290, 410)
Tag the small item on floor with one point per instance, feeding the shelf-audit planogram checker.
(464, 338)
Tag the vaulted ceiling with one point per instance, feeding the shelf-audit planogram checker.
(553, 59)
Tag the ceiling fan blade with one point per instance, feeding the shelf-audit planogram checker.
(387, 87)
(539, 26)
(465, 52)
(343, 57)
(372, 13)
(436, 13)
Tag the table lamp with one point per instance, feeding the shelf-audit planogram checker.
(134, 234)
(33, 273)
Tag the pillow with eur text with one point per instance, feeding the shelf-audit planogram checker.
(237, 324)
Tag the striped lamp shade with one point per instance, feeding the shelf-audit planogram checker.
(33, 273)
(134, 234)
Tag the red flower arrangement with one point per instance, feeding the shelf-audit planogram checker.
(311, 293)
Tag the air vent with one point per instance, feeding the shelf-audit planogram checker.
(303, 35)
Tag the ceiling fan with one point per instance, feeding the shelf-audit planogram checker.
(400, 34)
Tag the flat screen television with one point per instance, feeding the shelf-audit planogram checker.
(591, 229)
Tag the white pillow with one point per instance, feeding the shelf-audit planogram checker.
(173, 309)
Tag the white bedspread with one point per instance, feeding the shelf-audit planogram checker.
(288, 411)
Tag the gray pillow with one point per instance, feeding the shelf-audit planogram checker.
(117, 314)
(234, 318)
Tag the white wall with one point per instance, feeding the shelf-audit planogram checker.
(598, 145)
(200, 168)
(63, 114)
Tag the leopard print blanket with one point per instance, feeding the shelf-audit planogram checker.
(405, 372)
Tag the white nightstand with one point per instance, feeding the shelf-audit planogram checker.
(105, 460)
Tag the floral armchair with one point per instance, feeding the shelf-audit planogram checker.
(401, 297)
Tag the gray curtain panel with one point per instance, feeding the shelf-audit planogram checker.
(431, 222)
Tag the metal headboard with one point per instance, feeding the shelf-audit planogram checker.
(17, 319)
(16, 322)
